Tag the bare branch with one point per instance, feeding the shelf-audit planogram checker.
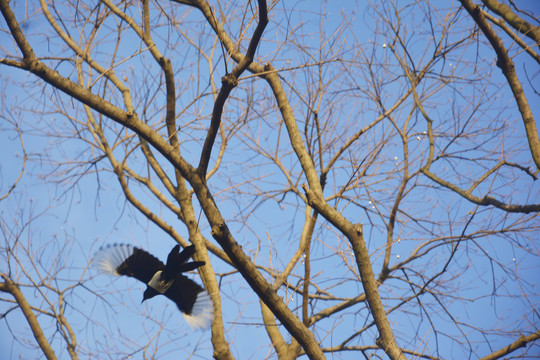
(484, 201)
(229, 82)
(515, 21)
(11, 288)
(522, 341)
(507, 66)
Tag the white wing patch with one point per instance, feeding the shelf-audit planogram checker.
(203, 312)
(161, 286)
(108, 258)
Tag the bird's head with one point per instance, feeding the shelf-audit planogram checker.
(149, 293)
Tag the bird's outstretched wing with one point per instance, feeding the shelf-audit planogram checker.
(189, 297)
(192, 300)
(185, 254)
(125, 259)
(177, 262)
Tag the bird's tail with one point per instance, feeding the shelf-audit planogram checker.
(202, 312)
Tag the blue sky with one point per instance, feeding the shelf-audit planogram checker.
(95, 212)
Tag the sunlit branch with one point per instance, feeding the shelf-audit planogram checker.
(500, 23)
(229, 82)
(522, 341)
(354, 234)
(486, 200)
(283, 350)
(11, 288)
(109, 73)
(518, 23)
(505, 63)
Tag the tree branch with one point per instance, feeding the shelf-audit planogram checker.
(353, 232)
(505, 63)
(254, 278)
(229, 82)
(515, 21)
(486, 200)
(11, 288)
(522, 341)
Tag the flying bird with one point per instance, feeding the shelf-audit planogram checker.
(165, 279)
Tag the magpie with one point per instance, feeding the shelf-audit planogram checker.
(192, 300)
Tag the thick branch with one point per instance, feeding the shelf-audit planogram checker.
(507, 66)
(353, 232)
(229, 82)
(10, 287)
(515, 21)
(522, 341)
(283, 350)
(127, 119)
(515, 37)
(221, 346)
(254, 278)
(295, 137)
(221, 233)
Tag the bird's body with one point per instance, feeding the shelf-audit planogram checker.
(160, 278)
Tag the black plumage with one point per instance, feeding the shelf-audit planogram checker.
(160, 278)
